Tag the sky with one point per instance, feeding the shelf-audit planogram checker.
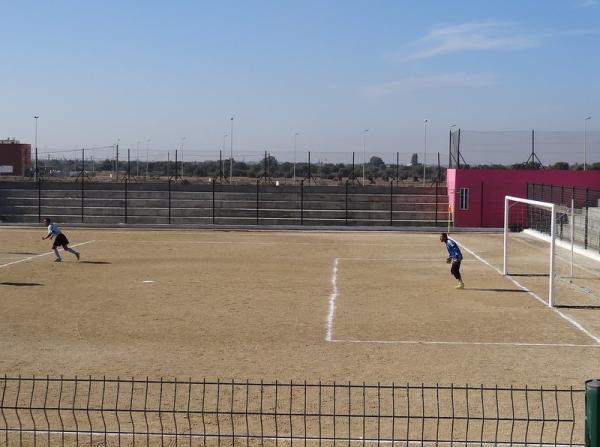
(158, 74)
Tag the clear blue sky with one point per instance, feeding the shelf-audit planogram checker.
(98, 71)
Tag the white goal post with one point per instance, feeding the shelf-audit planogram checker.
(544, 205)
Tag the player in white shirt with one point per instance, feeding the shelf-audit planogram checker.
(60, 240)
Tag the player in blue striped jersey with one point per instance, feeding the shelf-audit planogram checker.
(455, 257)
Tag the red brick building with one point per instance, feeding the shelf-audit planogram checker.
(15, 158)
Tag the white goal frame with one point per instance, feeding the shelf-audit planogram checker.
(536, 203)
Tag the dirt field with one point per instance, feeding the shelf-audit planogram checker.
(289, 305)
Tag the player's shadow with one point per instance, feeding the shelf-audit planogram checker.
(96, 262)
(21, 253)
(21, 284)
(497, 290)
(576, 306)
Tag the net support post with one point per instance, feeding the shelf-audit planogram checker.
(552, 256)
(592, 413)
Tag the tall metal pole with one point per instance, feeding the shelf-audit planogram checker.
(231, 152)
(182, 141)
(450, 145)
(425, 153)
(364, 153)
(36, 148)
(117, 163)
(137, 157)
(147, 150)
(587, 118)
(295, 137)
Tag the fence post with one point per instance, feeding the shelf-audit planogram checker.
(587, 205)
(592, 413)
(301, 202)
(213, 201)
(436, 202)
(392, 202)
(346, 199)
(82, 194)
(126, 182)
(257, 183)
(169, 198)
(39, 185)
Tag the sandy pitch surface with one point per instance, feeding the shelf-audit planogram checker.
(290, 306)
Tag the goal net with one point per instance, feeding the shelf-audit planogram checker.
(539, 253)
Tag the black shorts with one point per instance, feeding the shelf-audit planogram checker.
(60, 241)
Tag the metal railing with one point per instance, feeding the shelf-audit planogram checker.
(90, 411)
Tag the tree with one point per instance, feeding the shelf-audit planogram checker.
(414, 160)
(377, 162)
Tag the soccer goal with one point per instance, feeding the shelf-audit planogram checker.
(520, 216)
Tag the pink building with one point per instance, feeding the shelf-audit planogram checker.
(477, 195)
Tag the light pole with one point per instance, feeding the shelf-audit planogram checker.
(182, 141)
(587, 118)
(295, 137)
(231, 153)
(425, 152)
(147, 145)
(364, 153)
(36, 150)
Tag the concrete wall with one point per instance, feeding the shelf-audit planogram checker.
(487, 188)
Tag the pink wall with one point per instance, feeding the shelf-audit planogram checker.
(498, 183)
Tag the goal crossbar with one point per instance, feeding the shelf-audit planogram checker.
(545, 205)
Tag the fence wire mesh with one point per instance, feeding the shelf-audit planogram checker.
(130, 412)
(585, 215)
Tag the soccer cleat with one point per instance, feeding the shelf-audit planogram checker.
(460, 286)
(58, 260)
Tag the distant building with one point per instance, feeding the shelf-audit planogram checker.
(15, 158)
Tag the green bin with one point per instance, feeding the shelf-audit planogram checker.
(592, 413)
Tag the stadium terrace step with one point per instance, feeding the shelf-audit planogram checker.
(151, 204)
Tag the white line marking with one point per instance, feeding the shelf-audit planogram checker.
(571, 320)
(337, 244)
(440, 259)
(38, 256)
(305, 439)
(148, 281)
(332, 297)
(466, 343)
